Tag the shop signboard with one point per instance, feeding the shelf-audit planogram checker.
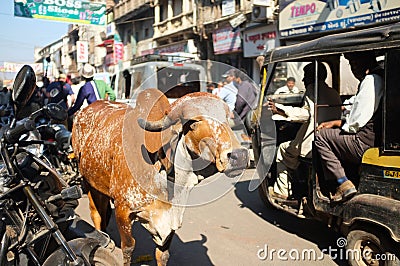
(263, 2)
(239, 19)
(300, 17)
(228, 7)
(258, 40)
(226, 40)
(15, 67)
(110, 29)
(72, 11)
(118, 52)
(147, 51)
(174, 48)
(82, 52)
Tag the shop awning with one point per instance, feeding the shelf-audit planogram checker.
(106, 43)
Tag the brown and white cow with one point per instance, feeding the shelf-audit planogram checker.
(128, 155)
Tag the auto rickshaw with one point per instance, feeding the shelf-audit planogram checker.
(370, 220)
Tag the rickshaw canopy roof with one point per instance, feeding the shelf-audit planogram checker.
(381, 37)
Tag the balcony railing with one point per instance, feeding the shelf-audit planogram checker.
(213, 13)
(127, 6)
(175, 24)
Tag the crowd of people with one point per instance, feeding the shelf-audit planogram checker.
(238, 92)
(70, 93)
(73, 93)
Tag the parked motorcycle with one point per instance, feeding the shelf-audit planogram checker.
(38, 225)
(6, 112)
(58, 150)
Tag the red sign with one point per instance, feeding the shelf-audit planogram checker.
(118, 52)
(226, 40)
(82, 52)
(258, 40)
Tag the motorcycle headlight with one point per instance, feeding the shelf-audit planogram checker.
(27, 165)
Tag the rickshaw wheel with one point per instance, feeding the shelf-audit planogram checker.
(368, 249)
(263, 191)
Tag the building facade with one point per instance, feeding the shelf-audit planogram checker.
(233, 32)
(205, 30)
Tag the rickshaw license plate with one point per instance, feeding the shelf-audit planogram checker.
(391, 174)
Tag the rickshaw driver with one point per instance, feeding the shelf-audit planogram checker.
(287, 158)
(361, 129)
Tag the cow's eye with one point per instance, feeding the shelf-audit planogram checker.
(189, 125)
(193, 126)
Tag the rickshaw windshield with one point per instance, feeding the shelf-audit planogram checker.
(286, 84)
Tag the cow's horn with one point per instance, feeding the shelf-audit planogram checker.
(156, 126)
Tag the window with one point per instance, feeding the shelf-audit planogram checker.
(163, 11)
(177, 7)
(285, 71)
(177, 82)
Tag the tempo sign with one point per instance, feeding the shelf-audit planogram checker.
(300, 17)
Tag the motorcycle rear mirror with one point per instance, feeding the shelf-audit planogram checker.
(55, 111)
(24, 87)
(54, 93)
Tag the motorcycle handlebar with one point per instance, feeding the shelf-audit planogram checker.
(23, 126)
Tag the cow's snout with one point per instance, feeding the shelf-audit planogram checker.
(237, 162)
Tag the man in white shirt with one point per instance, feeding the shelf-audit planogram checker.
(229, 91)
(339, 143)
(289, 87)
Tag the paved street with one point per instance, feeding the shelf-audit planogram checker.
(236, 230)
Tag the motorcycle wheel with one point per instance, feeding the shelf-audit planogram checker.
(87, 249)
(103, 257)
